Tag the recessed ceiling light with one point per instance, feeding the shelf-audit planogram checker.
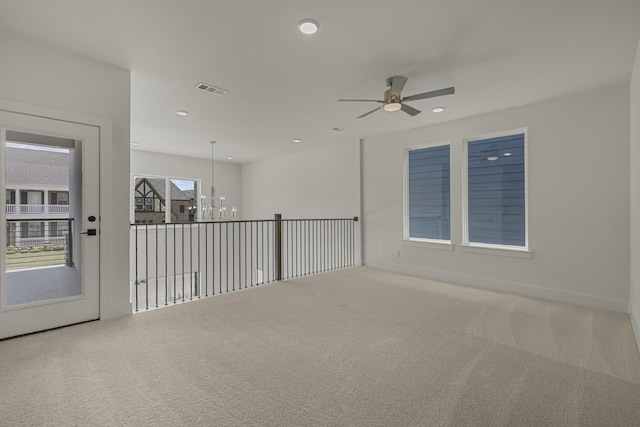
(308, 26)
(297, 141)
(507, 154)
(229, 158)
(182, 113)
(438, 109)
(135, 144)
(492, 158)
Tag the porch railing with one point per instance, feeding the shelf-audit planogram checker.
(55, 209)
(34, 243)
(31, 209)
(36, 209)
(41, 241)
(179, 262)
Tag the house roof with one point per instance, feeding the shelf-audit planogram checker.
(191, 194)
(36, 167)
(159, 186)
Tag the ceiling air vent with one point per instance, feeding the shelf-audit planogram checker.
(206, 87)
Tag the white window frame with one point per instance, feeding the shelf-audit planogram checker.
(419, 241)
(487, 248)
(167, 178)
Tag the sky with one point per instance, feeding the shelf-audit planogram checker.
(184, 184)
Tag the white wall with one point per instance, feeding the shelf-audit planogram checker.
(320, 183)
(227, 176)
(74, 88)
(578, 202)
(634, 303)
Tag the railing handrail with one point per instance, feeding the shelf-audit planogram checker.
(354, 218)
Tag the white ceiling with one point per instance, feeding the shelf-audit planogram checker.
(284, 85)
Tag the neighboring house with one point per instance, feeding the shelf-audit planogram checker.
(150, 202)
(37, 188)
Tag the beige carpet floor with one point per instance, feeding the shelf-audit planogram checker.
(355, 347)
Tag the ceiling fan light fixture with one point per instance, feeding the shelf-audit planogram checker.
(308, 26)
(392, 106)
(393, 99)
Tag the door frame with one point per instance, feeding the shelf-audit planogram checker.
(114, 296)
(45, 314)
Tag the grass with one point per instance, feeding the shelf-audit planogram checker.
(34, 259)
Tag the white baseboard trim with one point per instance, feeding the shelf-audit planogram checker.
(635, 324)
(512, 287)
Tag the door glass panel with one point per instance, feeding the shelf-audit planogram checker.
(39, 239)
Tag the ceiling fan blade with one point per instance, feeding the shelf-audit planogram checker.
(359, 100)
(397, 84)
(372, 111)
(432, 94)
(409, 110)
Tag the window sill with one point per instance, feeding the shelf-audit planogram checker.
(444, 245)
(501, 251)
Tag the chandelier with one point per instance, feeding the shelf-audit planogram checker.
(211, 211)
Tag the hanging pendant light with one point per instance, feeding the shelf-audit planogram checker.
(213, 143)
(208, 211)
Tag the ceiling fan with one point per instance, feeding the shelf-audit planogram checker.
(393, 101)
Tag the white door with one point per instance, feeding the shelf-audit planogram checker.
(50, 278)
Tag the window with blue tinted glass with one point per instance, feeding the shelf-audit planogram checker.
(496, 211)
(429, 193)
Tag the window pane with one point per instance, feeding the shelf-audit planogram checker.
(429, 193)
(36, 229)
(148, 193)
(496, 198)
(183, 192)
(155, 196)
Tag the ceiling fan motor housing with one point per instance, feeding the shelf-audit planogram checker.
(391, 97)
